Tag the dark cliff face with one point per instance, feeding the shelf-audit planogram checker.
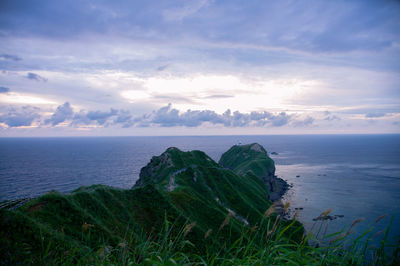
(252, 159)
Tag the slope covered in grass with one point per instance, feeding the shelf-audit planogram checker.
(182, 188)
(244, 158)
(253, 161)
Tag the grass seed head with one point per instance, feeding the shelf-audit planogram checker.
(269, 233)
(189, 228)
(286, 206)
(208, 233)
(378, 234)
(380, 218)
(356, 221)
(270, 211)
(325, 213)
(86, 226)
(122, 244)
(226, 221)
(254, 228)
(275, 223)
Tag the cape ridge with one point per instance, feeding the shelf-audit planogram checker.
(176, 187)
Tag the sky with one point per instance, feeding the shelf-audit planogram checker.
(199, 67)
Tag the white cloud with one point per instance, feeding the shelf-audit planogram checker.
(19, 98)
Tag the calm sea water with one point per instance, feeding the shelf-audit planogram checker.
(357, 176)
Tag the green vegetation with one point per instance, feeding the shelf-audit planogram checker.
(184, 209)
(253, 162)
(248, 158)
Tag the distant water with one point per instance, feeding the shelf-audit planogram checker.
(358, 176)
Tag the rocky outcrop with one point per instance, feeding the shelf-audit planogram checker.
(151, 172)
(277, 187)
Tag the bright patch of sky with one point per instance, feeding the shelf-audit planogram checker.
(199, 67)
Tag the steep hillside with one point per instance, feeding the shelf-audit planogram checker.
(252, 160)
(176, 191)
(204, 190)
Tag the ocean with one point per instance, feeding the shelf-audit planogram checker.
(356, 176)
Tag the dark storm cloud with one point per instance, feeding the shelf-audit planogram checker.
(36, 77)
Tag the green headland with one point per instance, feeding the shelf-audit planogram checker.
(184, 209)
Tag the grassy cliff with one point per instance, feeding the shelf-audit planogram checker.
(252, 161)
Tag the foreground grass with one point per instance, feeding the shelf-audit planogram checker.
(266, 243)
(277, 249)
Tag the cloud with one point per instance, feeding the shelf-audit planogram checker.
(101, 117)
(375, 115)
(10, 57)
(173, 97)
(23, 116)
(166, 117)
(330, 117)
(98, 117)
(162, 68)
(308, 121)
(218, 96)
(80, 119)
(36, 77)
(125, 118)
(331, 27)
(169, 117)
(280, 120)
(62, 113)
(4, 89)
